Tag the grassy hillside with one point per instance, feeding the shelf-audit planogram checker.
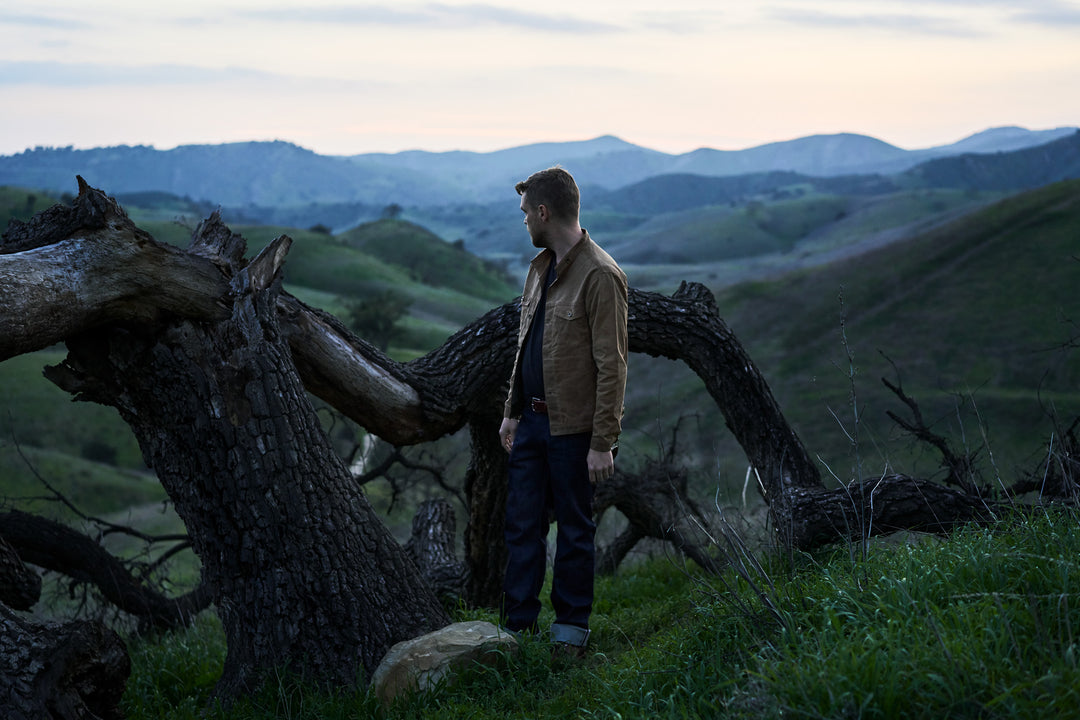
(727, 232)
(972, 314)
(982, 625)
(430, 260)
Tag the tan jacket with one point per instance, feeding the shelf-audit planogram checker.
(585, 343)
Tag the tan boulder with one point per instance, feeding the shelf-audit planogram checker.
(421, 662)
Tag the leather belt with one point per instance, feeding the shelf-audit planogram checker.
(538, 406)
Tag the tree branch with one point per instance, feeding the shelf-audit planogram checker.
(53, 546)
(107, 271)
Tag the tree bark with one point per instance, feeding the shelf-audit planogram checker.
(431, 548)
(60, 672)
(879, 507)
(73, 269)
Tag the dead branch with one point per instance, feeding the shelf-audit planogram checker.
(53, 546)
(961, 468)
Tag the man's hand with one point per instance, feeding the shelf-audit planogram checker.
(507, 431)
(601, 465)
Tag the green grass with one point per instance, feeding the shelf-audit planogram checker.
(429, 260)
(717, 233)
(984, 624)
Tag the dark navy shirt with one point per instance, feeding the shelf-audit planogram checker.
(532, 355)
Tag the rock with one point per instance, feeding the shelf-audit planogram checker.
(420, 663)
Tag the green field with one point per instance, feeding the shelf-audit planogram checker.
(982, 625)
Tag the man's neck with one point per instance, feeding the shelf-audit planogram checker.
(563, 240)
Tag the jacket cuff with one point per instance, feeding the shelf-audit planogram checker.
(603, 444)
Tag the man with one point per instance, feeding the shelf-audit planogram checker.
(563, 414)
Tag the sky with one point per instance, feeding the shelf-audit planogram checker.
(343, 78)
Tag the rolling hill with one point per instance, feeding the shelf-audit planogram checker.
(282, 175)
(794, 219)
(973, 318)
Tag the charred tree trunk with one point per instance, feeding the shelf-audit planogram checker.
(486, 489)
(688, 327)
(302, 570)
(880, 507)
(77, 670)
(60, 672)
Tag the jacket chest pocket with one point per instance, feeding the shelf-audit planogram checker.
(568, 322)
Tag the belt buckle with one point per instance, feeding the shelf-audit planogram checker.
(538, 406)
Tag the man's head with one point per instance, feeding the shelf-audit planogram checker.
(556, 190)
(550, 200)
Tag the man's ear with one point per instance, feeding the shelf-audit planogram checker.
(543, 213)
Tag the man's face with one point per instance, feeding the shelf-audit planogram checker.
(533, 223)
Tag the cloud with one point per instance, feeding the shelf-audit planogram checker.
(41, 21)
(63, 74)
(909, 23)
(956, 21)
(680, 23)
(1050, 14)
(434, 15)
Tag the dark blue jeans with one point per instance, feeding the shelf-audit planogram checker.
(549, 474)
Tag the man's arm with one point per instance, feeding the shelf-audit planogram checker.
(606, 298)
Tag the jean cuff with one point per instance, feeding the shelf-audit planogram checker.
(570, 634)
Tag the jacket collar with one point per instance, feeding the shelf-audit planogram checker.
(545, 255)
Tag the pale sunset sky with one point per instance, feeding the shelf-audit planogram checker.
(344, 78)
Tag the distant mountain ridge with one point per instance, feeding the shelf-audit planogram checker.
(1023, 169)
(280, 174)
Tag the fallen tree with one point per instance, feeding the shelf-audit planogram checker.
(208, 360)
